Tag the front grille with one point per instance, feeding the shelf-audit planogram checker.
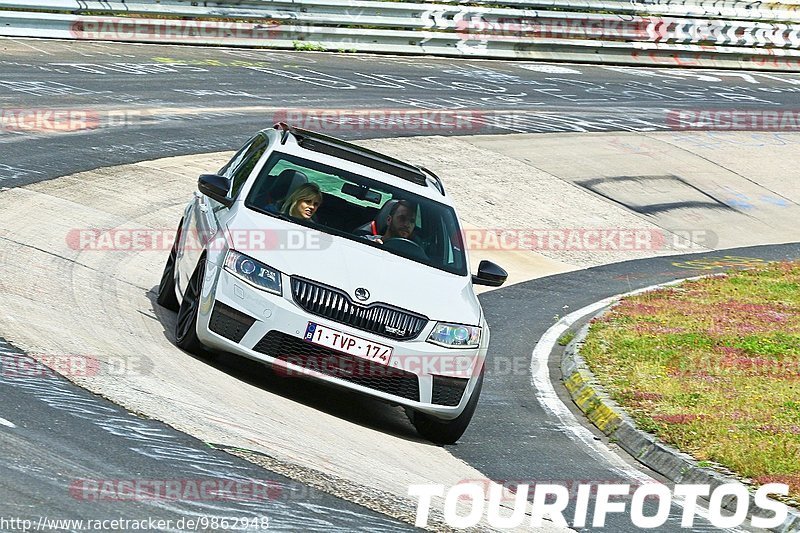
(336, 305)
(229, 322)
(315, 358)
(448, 391)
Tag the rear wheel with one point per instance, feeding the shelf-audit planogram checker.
(166, 289)
(441, 431)
(186, 326)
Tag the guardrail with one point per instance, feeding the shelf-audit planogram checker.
(721, 34)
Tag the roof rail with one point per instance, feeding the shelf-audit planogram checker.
(285, 128)
(437, 181)
(326, 144)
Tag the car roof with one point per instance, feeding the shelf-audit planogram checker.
(363, 161)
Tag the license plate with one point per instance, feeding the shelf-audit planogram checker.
(342, 342)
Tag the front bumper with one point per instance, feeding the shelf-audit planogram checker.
(237, 318)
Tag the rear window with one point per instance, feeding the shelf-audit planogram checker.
(357, 208)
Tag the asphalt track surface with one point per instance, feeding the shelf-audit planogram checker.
(66, 437)
(212, 100)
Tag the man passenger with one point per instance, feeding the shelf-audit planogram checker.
(400, 223)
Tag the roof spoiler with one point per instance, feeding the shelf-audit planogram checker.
(326, 144)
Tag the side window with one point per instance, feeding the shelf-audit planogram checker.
(248, 163)
(241, 165)
(236, 160)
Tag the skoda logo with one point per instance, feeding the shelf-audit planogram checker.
(362, 294)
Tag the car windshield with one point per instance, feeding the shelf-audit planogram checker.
(359, 208)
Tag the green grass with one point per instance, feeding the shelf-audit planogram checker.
(566, 338)
(305, 46)
(713, 367)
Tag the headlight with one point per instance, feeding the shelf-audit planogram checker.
(253, 272)
(455, 335)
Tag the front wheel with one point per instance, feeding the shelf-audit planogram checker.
(186, 326)
(441, 431)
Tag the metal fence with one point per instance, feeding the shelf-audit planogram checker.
(723, 34)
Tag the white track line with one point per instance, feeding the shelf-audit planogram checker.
(547, 397)
(4, 422)
(45, 52)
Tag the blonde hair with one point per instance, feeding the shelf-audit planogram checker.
(305, 192)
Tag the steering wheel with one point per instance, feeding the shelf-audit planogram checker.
(405, 247)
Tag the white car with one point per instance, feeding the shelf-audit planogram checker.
(334, 292)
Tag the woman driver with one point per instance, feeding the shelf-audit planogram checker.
(303, 202)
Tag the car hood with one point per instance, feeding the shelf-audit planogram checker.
(349, 265)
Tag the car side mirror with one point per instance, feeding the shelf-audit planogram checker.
(215, 187)
(490, 274)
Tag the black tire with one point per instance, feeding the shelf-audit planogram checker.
(166, 289)
(440, 431)
(186, 325)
